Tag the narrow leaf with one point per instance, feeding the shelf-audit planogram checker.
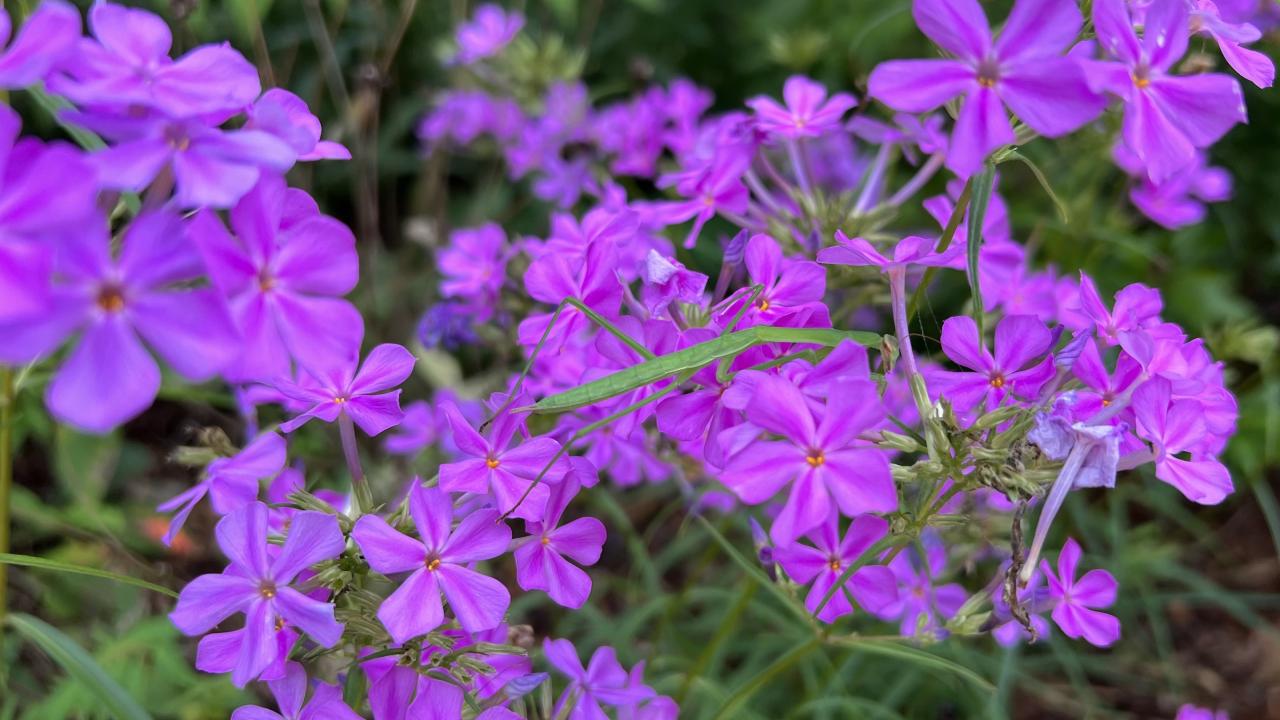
(977, 216)
(755, 572)
(79, 665)
(46, 564)
(915, 656)
(761, 678)
(1044, 183)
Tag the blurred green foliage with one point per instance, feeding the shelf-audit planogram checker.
(1200, 586)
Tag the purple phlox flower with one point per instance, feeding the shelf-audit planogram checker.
(1191, 712)
(342, 390)
(553, 277)
(823, 461)
(540, 556)
(922, 604)
(127, 65)
(211, 167)
(1016, 370)
(287, 116)
(231, 483)
(667, 281)
(284, 273)
(290, 692)
(808, 113)
(492, 466)
(474, 266)
(116, 303)
(464, 115)
(923, 133)
(601, 682)
(44, 41)
(660, 707)
(910, 250)
(1179, 200)
(1023, 69)
(418, 429)
(219, 653)
(1076, 602)
(1033, 597)
(788, 286)
(1136, 307)
(685, 104)
(490, 30)
(49, 193)
(1022, 292)
(872, 586)
(449, 325)
(398, 692)
(1166, 117)
(563, 181)
(1174, 426)
(261, 588)
(715, 188)
(439, 562)
(1231, 37)
(632, 132)
(1105, 386)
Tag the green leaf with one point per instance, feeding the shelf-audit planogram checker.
(914, 655)
(977, 216)
(79, 665)
(761, 678)
(755, 572)
(46, 564)
(944, 242)
(1044, 183)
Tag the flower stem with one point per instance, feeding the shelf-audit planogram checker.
(6, 482)
(898, 302)
(359, 485)
(922, 176)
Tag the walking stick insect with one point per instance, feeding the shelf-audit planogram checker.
(681, 365)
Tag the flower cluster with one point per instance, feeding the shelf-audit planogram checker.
(176, 240)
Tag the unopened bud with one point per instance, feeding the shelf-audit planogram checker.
(895, 441)
(997, 417)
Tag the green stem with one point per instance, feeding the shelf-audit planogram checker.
(6, 482)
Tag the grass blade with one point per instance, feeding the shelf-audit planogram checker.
(756, 573)
(78, 665)
(763, 677)
(916, 656)
(977, 216)
(45, 564)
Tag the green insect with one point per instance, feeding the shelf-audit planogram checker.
(681, 365)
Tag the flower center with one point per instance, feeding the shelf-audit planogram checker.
(265, 281)
(815, 458)
(997, 381)
(835, 565)
(545, 540)
(339, 400)
(988, 73)
(111, 299)
(279, 623)
(1105, 401)
(492, 463)
(267, 589)
(433, 564)
(1141, 77)
(763, 304)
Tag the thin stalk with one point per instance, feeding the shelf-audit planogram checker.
(798, 165)
(359, 485)
(6, 482)
(875, 176)
(898, 302)
(917, 181)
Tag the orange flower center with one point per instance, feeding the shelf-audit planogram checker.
(267, 589)
(815, 458)
(835, 565)
(111, 299)
(546, 540)
(493, 463)
(433, 564)
(997, 381)
(763, 304)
